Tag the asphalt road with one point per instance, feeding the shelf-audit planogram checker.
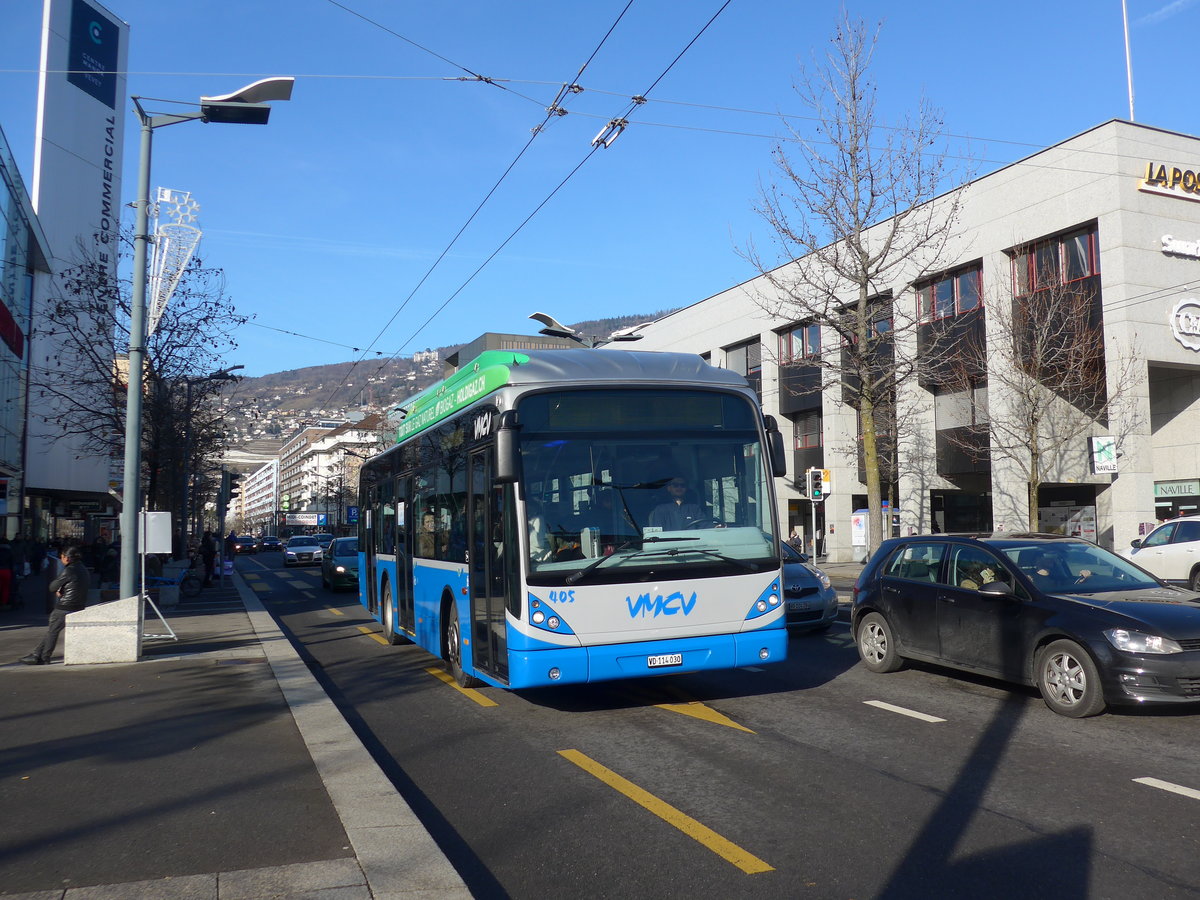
(813, 777)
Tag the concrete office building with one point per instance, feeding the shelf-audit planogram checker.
(24, 259)
(1114, 212)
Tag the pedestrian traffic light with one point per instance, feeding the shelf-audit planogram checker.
(816, 485)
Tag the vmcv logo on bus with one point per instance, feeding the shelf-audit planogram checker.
(670, 605)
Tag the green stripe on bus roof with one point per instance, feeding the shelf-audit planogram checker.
(478, 378)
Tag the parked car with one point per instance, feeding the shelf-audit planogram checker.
(324, 540)
(269, 543)
(811, 602)
(1084, 625)
(1171, 551)
(245, 544)
(302, 550)
(339, 564)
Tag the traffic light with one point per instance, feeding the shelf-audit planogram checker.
(816, 485)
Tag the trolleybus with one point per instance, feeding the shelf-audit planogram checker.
(566, 516)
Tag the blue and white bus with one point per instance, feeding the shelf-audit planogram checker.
(566, 516)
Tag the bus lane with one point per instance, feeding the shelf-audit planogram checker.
(831, 796)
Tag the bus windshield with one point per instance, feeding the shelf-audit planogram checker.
(622, 484)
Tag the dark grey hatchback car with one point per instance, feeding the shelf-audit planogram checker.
(1085, 626)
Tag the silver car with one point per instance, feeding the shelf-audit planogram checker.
(812, 603)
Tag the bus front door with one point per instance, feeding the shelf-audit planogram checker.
(487, 567)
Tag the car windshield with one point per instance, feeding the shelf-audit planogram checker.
(302, 542)
(792, 555)
(624, 484)
(1075, 567)
(346, 548)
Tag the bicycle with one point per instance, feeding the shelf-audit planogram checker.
(187, 581)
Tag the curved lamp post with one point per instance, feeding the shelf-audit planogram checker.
(247, 106)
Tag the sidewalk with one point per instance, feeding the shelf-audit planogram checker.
(216, 767)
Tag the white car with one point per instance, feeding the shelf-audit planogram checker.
(1171, 551)
(302, 550)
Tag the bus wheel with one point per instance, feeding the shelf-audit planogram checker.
(389, 615)
(454, 650)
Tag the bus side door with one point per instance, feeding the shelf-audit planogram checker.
(404, 577)
(486, 547)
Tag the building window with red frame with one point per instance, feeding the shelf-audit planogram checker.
(951, 294)
(1056, 261)
(808, 431)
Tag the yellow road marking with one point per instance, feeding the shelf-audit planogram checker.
(698, 710)
(724, 848)
(470, 692)
(335, 611)
(373, 635)
(694, 708)
(261, 588)
(251, 576)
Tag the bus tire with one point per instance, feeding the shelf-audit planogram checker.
(453, 643)
(388, 617)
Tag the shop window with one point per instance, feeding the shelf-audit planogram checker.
(950, 294)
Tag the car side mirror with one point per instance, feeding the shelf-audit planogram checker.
(1135, 544)
(997, 589)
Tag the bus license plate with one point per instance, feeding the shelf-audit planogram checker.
(666, 659)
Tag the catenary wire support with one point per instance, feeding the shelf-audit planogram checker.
(610, 133)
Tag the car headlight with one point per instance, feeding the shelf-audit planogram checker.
(341, 570)
(1139, 642)
(819, 575)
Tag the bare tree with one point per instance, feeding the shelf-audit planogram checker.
(856, 214)
(1037, 384)
(88, 319)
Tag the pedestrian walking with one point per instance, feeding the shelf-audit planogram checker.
(70, 590)
(208, 552)
(6, 574)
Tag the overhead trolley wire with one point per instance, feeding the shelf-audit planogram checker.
(550, 114)
(597, 143)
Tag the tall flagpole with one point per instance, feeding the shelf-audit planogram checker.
(1128, 59)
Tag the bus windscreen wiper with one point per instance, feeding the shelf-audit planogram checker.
(575, 577)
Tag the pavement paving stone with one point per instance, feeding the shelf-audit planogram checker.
(317, 879)
(216, 768)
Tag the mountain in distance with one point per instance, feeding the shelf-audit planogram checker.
(271, 408)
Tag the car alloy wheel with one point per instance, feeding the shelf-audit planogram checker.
(1069, 681)
(876, 646)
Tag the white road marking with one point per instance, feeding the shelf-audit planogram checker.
(1168, 786)
(904, 712)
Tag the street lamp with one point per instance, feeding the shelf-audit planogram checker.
(246, 106)
(185, 526)
(555, 328)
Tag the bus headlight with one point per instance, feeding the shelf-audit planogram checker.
(538, 617)
(552, 622)
(761, 606)
(763, 653)
(554, 674)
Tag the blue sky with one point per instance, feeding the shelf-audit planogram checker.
(327, 220)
